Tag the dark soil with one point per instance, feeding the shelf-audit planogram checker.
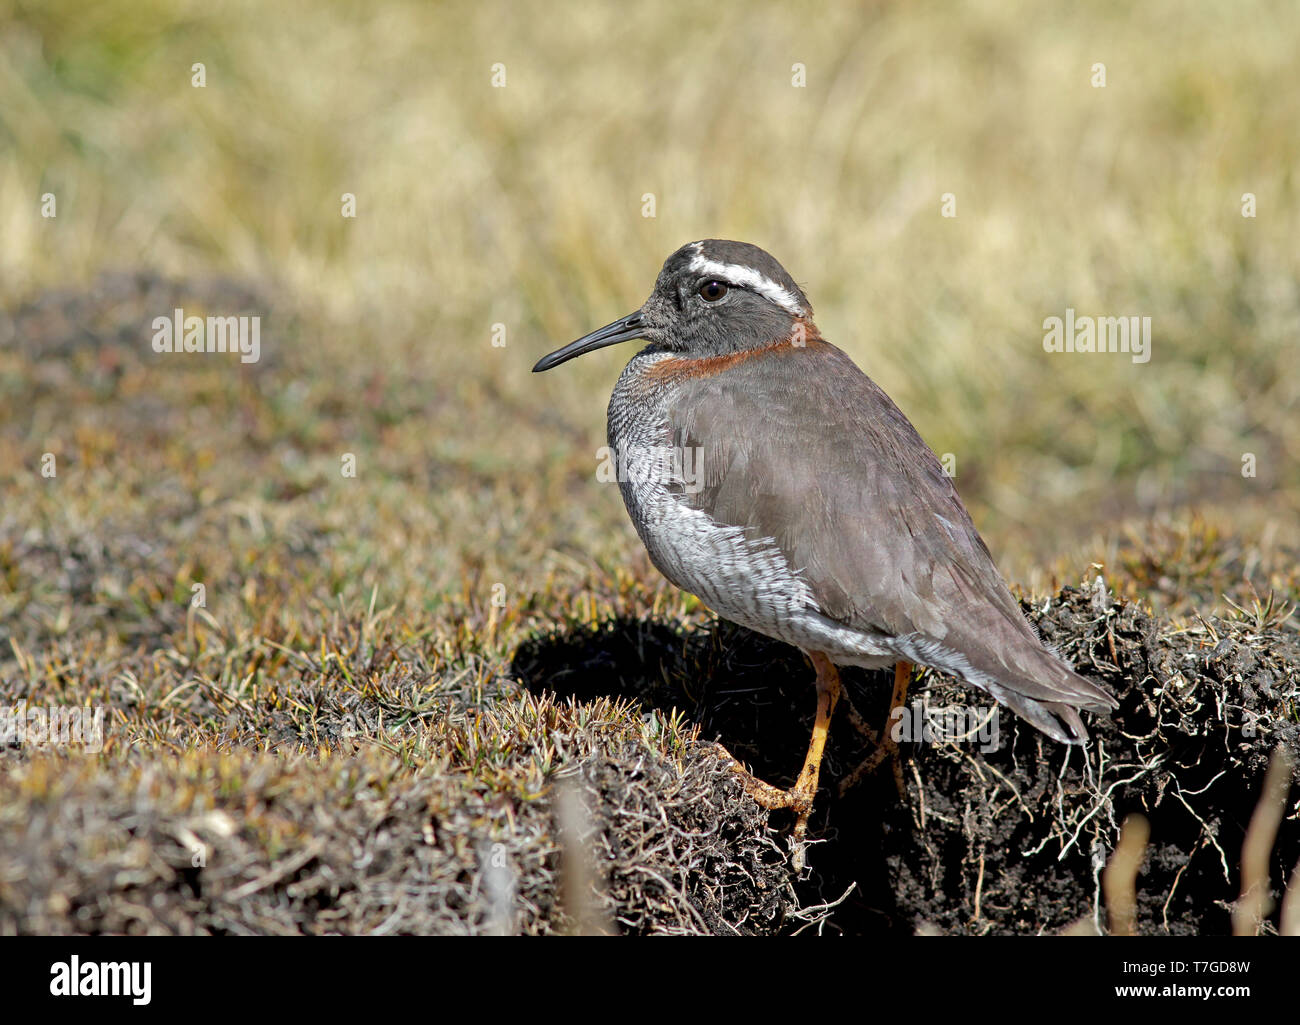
(1004, 841)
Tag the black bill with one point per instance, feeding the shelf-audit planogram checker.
(623, 330)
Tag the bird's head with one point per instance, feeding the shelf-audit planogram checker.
(712, 298)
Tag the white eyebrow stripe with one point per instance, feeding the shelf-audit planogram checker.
(747, 277)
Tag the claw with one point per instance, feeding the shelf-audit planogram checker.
(799, 798)
(886, 747)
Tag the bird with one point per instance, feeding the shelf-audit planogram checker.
(767, 474)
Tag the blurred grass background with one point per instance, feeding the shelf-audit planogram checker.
(522, 206)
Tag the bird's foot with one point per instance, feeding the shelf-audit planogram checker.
(885, 745)
(885, 748)
(859, 723)
(799, 799)
(763, 793)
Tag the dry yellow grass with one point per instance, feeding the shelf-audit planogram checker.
(522, 206)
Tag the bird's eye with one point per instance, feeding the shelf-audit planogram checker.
(712, 291)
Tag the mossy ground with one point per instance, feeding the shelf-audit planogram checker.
(365, 723)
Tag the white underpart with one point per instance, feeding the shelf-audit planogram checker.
(747, 277)
(746, 580)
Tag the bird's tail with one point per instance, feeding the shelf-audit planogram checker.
(1055, 713)
(1022, 674)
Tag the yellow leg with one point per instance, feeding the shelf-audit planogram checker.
(799, 798)
(885, 745)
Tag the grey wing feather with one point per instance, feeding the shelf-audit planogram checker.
(832, 470)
